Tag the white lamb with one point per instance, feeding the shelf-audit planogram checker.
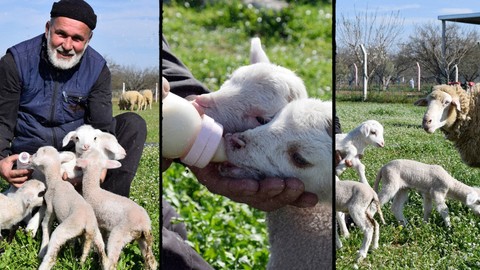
(122, 218)
(435, 184)
(74, 214)
(296, 143)
(19, 204)
(361, 202)
(253, 95)
(352, 146)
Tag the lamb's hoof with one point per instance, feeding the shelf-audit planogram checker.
(360, 257)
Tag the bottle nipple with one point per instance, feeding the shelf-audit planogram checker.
(23, 161)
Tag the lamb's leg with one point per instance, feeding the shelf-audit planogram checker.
(342, 224)
(439, 200)
(87, 244)
(35, 221)
(46, 230)
(427, 207)
(116, 241)
(64, 231)
(360, 218)
(376, 233)
(360, 168)
(145, 243)
(100, 246)
(397, 205)
(338, 242)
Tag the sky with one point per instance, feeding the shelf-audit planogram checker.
(127, 31)
(414, 12)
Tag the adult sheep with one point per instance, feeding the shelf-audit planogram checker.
(455, 112)
(129, 99)
(147, 98)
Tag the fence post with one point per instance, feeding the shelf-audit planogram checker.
(418, 76)
(365, 81)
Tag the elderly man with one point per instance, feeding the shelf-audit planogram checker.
(52, 84)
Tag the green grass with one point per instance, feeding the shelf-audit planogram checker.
(145, 190)
(419, 245)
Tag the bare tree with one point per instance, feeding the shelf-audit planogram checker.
(425, 47)
(377, 34)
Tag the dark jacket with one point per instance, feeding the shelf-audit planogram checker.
(40, 104)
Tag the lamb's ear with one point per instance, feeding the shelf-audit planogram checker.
(456, 103)
(257, 54)
(421, 102)
(66, 156)
(68, 138)
(365, 129)
(472, 198)
(113, 164)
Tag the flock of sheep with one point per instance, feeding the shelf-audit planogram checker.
(141, 99)
(94, 213)
(449, 108)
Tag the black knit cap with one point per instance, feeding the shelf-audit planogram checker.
(75, 9)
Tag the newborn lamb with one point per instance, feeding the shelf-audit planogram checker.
(296, 143)
(361, 202)
(19, 204)
(75, 215)
(434, 182)
(352, 145)
(122, 218)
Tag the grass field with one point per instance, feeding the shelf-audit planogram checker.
(419, 245)
(145, 190)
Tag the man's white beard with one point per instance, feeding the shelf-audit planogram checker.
(61, 63)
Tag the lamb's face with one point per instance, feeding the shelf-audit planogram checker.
(473, 201)
(32, 192)
(373, 131)
(296, 143)
(252, 96)
(44, 156)
(440, 107)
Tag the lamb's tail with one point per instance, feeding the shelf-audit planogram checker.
(377, 180)
(145, 242)
(376, 201)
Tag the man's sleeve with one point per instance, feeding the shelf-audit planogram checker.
(181, 80)
(10, 89)
(99, 111)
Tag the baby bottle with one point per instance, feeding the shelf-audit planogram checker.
(196, 140)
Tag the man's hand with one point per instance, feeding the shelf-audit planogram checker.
(266, 195)
(14, 177)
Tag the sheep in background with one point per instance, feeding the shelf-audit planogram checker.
(455, 112)
(130, 99)
(147, 98)
(361, 202)
(74, 214)
(122, 218)
(19, 204)
(432, 181)
(352, 145)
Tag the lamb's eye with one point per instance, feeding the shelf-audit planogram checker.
(41, 194)
(75, 138)
(300, 161)
(373, 132)
(95, 139)
(446, 102)
(261, 120)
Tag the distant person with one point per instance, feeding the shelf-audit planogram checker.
(412, 83)
(52, 84)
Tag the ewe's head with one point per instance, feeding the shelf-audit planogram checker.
(445, 104)
(473, 201)
(296, 143)
(373, 132)
(253, 94)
